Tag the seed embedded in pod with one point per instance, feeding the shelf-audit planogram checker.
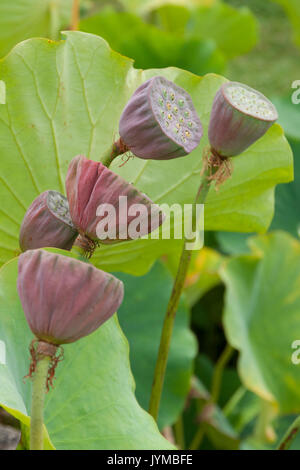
(147, 132)
(240, 116)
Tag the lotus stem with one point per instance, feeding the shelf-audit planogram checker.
(37, 404)
(75, 15)
(218, 372)
(215, 392)
(118, 148)
(54, 20)
(197, 439)
(167, 330)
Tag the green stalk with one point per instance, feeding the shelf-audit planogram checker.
(198, 438)
(179, 433)
(167, 330)
(117, 149)
(54, 20)
(215, 392)
(263, 430)
(290, 435)
(37, 404)
(78, 251)
(218, 372)
(75, 15)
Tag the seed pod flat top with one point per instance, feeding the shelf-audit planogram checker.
(240, 116)
(250, 101)
(47, 222)
(160, 121)
(59, 206)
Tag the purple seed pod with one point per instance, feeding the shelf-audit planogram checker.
(63, 298)
(160, 121)
(47, 222)
(97, 195)
(240, 115)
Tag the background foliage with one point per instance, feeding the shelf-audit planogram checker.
(61, 98)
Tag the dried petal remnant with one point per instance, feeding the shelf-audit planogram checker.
(93, 190)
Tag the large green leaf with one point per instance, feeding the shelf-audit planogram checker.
(234, 30)
(65, 98)
(233, 243)
(2, 92)
(172, 18)
(143, 311)
(22, 19)
(92, 405)
(146, 6)
(287, 201)
(289, 114)
(150, 47)
(281, 426)
(286, 217)
(262, 317)
(203, 273)
(216, 426)
(292, 9)
(242, 409)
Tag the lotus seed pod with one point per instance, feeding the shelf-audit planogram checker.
(160, 121)
(102, 204)
(239, 117)
(47, 222)
(63, 298)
